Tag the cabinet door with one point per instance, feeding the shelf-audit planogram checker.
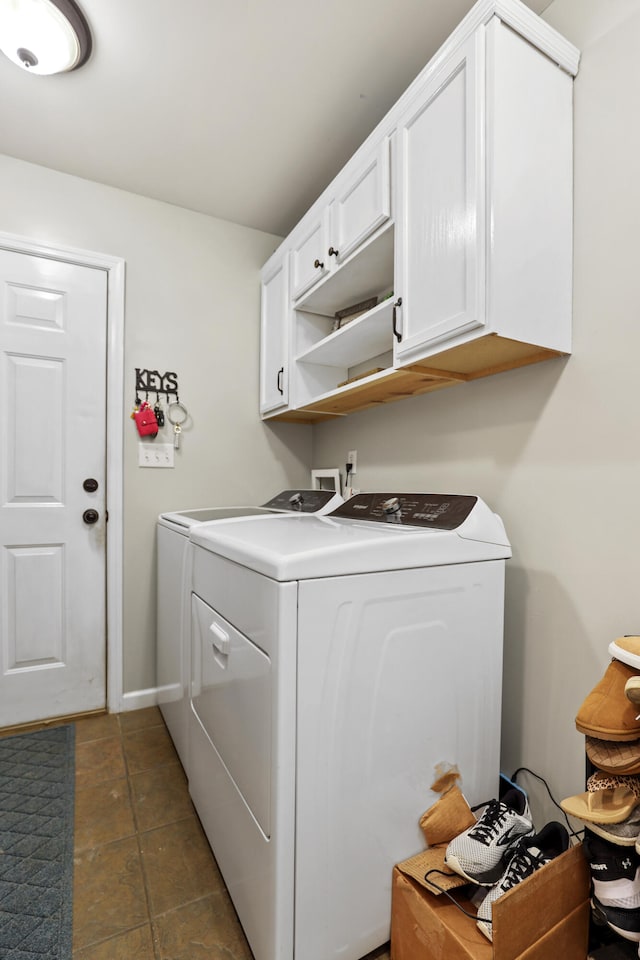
(362, 204)
(440, 231)
(309, 261)
(274, 335)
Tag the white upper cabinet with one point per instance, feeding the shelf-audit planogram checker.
(442, 252)
(274, 334)
(362, 202)
(484, 245)
(441, 217)
(359, 202)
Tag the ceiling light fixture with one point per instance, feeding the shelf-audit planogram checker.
(44, 36)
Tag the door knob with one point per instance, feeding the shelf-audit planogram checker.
(91, 516)
(90, 485)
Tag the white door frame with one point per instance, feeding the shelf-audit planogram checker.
(115, 269)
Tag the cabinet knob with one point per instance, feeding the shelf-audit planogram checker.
(318, 264)
(397, 333)
(333, 252)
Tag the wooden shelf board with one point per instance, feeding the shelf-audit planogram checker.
(393, 385)
(299, 416)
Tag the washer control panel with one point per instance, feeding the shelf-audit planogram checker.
(435, 510)
(301, 501)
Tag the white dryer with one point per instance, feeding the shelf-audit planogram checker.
(336, 661)
(173, 588)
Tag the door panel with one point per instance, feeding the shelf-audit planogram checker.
(274, 344)
(231, 697)
(440, 256)
(363, 204)
(36, 631)
(52, 437)
(34, 442)
(306, 253)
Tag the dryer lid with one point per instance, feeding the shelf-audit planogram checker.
(442, 529)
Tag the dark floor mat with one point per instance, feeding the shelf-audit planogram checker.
(37, 773)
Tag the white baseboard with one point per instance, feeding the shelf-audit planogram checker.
(138, 699)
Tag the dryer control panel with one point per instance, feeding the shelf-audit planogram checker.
(435, 510)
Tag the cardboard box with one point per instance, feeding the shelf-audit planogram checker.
(543, 918)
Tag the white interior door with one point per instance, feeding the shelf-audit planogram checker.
(53, 318)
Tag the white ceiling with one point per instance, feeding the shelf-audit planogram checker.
(243, 109)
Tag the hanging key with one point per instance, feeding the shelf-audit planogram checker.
(176, 415)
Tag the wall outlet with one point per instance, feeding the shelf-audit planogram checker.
(352, 458)
(153, 454)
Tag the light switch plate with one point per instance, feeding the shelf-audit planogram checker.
(153, 454)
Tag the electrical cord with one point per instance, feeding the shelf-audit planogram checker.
(572, 832)
(447, 893)
(348, 467)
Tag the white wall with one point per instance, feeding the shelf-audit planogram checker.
(553, 448)
(192, 306)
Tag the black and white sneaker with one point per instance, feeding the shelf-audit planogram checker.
(528, 855)
(615, 872)
(478, 853)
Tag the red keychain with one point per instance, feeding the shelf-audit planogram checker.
(146, 421)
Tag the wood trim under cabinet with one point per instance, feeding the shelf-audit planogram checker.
(483, 357)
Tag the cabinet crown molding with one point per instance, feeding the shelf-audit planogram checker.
(524, 21)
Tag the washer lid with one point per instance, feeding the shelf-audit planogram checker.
(287, 501)
(337, 545)
(190, 518)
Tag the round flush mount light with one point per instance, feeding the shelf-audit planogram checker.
(44, 36)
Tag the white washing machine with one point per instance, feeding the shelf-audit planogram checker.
(336, 661)
(173, 588)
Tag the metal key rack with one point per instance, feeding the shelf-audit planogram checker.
(152, 381)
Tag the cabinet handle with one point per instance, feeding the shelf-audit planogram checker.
(397, 333)
(333, 252)
(318, 265)
(279, 380)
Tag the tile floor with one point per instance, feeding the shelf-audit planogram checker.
(146, 885)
